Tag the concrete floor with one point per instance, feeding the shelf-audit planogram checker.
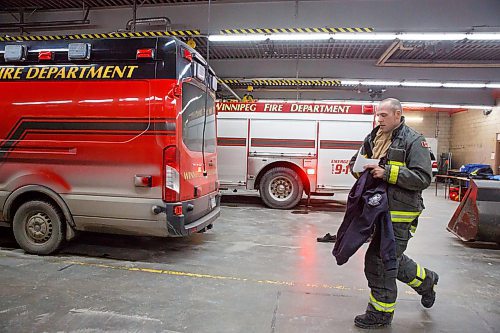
(258, 270)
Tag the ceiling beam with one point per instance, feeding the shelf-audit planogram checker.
(381, 15)
(344, 69)
(421, 95)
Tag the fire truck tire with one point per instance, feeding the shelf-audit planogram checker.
(281, 188)
(38, 227)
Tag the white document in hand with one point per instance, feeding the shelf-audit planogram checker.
(361, 161)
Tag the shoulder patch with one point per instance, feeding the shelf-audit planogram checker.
(375, 200)
(425, 144)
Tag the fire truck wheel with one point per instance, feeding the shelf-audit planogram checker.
(38, 227)
(281, 188)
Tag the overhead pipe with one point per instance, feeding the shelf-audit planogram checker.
(45, 24)
(134, 14)
(148, 20)
(225, 86)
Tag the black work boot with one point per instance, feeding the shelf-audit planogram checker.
(429, 295)
(373, 319)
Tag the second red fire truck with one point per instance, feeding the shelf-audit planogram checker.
(286, 149)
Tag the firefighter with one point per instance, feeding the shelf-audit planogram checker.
(191, 43)
(248, 96)
(405, 165)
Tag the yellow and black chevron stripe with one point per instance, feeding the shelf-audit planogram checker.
(283, 82)
(177, 33)
(292, 30)
(230, 81)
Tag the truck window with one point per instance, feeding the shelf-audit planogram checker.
(193, 117)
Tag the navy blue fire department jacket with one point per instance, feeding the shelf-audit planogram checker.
(367, 210)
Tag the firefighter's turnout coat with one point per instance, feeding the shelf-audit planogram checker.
(408, 171)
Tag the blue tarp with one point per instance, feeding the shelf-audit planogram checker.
(468, 168)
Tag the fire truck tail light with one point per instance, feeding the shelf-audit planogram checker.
(172, 179)
(171, 184)
(45, 55)
(172, 176)
(311, 171)
(145, 54)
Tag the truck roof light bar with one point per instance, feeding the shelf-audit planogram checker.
(79, 51)
(45, 55)
(213, 83)
(199, 71)
(15, 53)
(186, 54)
(145, 53)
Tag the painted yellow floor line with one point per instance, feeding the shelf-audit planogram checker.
(210, 276)
(222, 277)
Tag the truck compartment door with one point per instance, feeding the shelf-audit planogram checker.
(232, 147)
(338, 142)
(283, 137)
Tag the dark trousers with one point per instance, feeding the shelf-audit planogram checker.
(382, 282)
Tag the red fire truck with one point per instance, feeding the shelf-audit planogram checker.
(283, 149)
(113, 135)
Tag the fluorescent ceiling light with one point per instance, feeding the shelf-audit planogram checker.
(492, 85)
(380, 83)
(349, 82)
(364, 36)
(480, 107)
(237, 38)
(416, 105)
(420, 84)
(432, 36)
(463, 85)
(414, 119)
(354, 36)
(326, 101)
(272, 101)
(462, 106)
(447, 106)
(312, 36)
(483, 36)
